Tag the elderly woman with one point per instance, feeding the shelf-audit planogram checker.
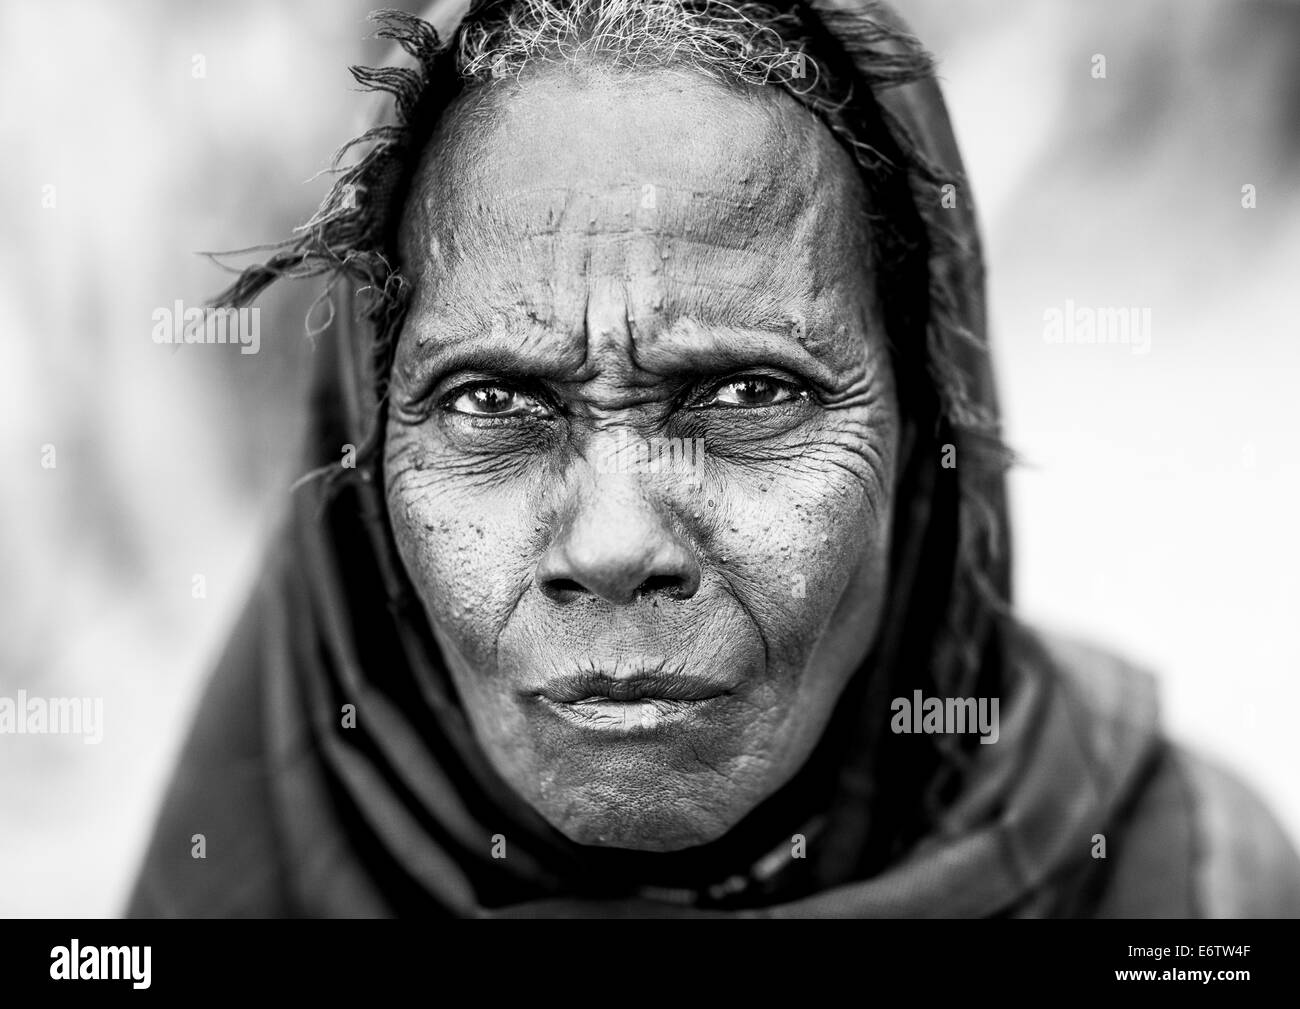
(655, 559)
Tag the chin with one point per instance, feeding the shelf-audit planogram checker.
(661, 826)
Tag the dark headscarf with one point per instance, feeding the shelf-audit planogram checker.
(400, 811)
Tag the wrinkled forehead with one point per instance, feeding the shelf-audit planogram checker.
(728, 198)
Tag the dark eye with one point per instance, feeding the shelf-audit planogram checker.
(752, 391)
(494, 399)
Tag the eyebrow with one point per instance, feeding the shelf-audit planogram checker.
(516, 352)
(528, 348)
(688, 345)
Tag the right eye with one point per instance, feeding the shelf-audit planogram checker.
(494, 399)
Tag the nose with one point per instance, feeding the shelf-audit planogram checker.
(617, 545)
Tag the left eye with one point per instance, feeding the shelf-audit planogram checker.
(752, 391)
(493, 399)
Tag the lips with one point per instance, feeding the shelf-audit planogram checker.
(594, 686)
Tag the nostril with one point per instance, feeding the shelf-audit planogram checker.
(563, 586)
(668, 584)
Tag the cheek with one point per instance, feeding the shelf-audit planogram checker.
(466, 553)
(801, 544)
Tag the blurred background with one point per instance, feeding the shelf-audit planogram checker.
(1156, 512)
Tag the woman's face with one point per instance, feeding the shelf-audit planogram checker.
(641, 442)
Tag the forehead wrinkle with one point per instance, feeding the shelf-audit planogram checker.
(760, 255)
(770, 249)
(726, 289)
(541, 277)
(707, 220)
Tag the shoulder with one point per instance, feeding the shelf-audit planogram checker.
(1196, 841)
(1186, 836)
(1245, 865)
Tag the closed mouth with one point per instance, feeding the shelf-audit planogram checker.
(597, 687)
